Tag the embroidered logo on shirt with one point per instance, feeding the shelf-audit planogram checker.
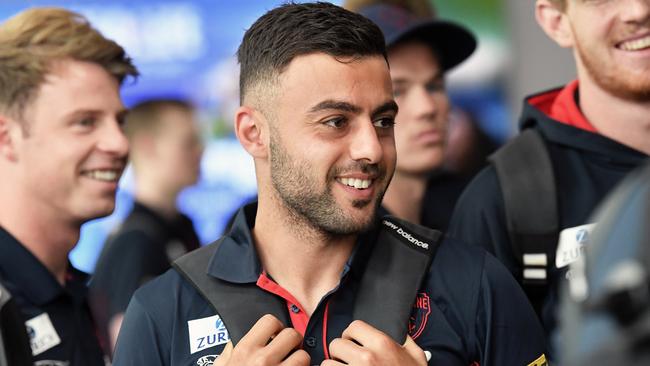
(419, 315)
(207, 332)
(206, 360)
(42, 335)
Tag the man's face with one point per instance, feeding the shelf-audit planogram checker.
(178, 148)
(332, 147)
(612, 43)
(419, 88)
(73, 151)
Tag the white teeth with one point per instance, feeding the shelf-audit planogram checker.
(637, 44)
(356, 183)
(104, 175)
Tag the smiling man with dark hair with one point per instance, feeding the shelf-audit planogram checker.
(310, 275)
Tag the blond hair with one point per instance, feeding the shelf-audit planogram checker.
(35, 38)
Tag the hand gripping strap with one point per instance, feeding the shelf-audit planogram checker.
(393, 274)
(395, 271)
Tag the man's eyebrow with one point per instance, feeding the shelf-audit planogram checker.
(335, 105)
(389, 106)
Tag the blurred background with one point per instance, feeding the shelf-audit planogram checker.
(186, 49)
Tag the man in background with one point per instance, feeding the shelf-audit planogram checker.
(592, 132)
(165, 156)
(62, 152)
(421, 49)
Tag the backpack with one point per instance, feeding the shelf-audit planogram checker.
(524, 166)
(397, 266)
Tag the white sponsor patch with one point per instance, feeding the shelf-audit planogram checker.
(42, 335)
(207, 332)
(572, 243)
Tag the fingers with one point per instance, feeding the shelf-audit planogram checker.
(263, 330)
(345, 349)
(225, 355)
(415, 351)
(365, 334)
(287, 340)
(298, 358)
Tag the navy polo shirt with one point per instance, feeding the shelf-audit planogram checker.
(469, 311)
(57, 317)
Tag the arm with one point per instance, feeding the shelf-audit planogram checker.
(507, 330)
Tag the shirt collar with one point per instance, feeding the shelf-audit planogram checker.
(236, 259)
(23, 270)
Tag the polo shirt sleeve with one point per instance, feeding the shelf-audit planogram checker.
(507, 330)
(140, 342)
(479, 219)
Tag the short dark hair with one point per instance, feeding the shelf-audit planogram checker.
(292, 30)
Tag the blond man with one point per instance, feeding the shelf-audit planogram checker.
(62, 151)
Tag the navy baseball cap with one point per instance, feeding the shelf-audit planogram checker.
(451, 42)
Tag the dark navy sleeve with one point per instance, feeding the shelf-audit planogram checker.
(156, 327)
(479, 219)
(140, 341)
(471, 311)
(508, 331)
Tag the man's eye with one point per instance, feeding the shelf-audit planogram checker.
(335, 122)
(385, 122)
(87, 122)
(435, 87)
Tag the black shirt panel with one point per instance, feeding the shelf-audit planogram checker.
(38, 294)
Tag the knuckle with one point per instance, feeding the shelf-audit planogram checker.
(367, 357)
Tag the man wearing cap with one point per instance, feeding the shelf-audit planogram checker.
(310, 275)
(420, 51)
(592, 132)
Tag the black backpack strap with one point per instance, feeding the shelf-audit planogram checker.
(239, 305)
(393, 274)
(14, 342)
(527, 180)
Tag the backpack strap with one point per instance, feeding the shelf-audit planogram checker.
(239, 305)
(527, 180)
(393, 274)
(14, 342)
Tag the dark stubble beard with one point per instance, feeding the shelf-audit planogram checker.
(298, 190)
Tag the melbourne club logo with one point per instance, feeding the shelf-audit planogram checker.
(419, 315)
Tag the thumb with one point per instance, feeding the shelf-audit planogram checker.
(224, 357)
(415, 351)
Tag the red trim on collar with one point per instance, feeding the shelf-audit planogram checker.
(561, 106)
(299, 319)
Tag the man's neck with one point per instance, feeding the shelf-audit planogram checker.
(305, 262)
(404, 196)
(48, 237)
(622, 120)
(158, 200)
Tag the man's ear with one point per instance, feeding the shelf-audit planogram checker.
(554, 22)
(8, 136)
(249, 130)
